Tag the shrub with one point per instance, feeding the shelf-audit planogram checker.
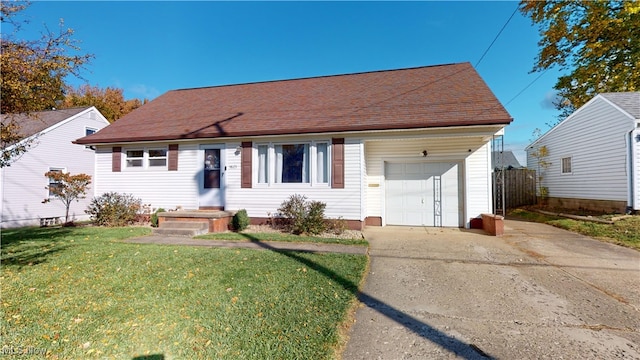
(240, 220)
(154, 217)
(300, 216)
(114, 209)
(336, 226)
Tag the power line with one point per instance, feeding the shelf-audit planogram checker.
(497, 36)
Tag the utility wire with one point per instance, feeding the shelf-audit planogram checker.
(497, 36)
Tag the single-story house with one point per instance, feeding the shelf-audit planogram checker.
(402, 147)
(50, 134)
(506, 160)
(592, 158)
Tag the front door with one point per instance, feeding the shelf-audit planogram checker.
(211, 180)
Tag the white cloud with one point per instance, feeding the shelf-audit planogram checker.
(550, 98)
(142, 91)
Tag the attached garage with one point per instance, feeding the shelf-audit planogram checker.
(423, 194)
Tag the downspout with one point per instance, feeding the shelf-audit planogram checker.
(634, 169)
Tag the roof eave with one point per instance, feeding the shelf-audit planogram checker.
(250, 133)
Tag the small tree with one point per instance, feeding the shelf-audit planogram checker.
(541, 154)
(67, 188)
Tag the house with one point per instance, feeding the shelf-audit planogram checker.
(506, 160)
(402, 147)
(23, 185)
(593, 156)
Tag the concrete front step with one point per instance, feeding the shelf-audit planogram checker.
(217, 221)
(183, 228)
(184, 224)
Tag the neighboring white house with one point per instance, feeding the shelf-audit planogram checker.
(593, 155)
(398, 147)
(23, 185)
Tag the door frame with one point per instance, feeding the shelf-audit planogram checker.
(204, 194)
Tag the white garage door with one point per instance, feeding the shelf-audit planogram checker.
(422, 194)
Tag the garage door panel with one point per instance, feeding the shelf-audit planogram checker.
(424, 194)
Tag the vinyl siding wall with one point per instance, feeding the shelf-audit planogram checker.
(596, 139)
(635, 187)
(169, 189)
(263, 200)
(159, 188)
(472, 153)
(24, 184)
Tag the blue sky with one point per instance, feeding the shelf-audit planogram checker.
(150, 47)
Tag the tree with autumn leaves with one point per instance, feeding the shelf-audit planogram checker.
(67, 188)
(110, 101)
(33, 78)
(596, 42)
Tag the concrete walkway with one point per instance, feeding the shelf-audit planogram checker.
(258, 245)
(537, 292)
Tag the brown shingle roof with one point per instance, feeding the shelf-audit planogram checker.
(434, 96)
(37, 121)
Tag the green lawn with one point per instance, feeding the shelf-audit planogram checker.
(624, 232)
(81, 293)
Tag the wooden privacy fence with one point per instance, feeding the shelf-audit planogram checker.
(519, 187)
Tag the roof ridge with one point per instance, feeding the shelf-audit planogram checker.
(320, 76)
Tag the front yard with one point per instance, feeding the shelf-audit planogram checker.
(81, 293)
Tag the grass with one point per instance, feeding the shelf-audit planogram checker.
(624, 232)
(276, 236)
(82, 293)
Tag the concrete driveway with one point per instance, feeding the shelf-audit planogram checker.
(537, 292)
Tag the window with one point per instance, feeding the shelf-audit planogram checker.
(135, 158)
(263, 164)
(292, 163)
(157, 157)
(566, 165)
(322, 163)
(53, 184)
(89, 131)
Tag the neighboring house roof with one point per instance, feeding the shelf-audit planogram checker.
(41, 120)
(627, 102)
(433, 96)
(508, 160)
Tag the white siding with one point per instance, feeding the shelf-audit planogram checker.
(169, 189)
(264, 200)
(358, 199)
(478, 183)
(596, 138)
(24, 183)
(635, 168)
(159, 188)
(471, 152)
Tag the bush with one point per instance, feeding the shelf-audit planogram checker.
(240, 220)
(114, 209)
(336, 226)
(154, 217)
(300, 216)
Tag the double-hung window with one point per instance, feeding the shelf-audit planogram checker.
(293, 163)
(148, 158)
(157, 157)
(135, 158)
(54, 184)
(566, 165)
